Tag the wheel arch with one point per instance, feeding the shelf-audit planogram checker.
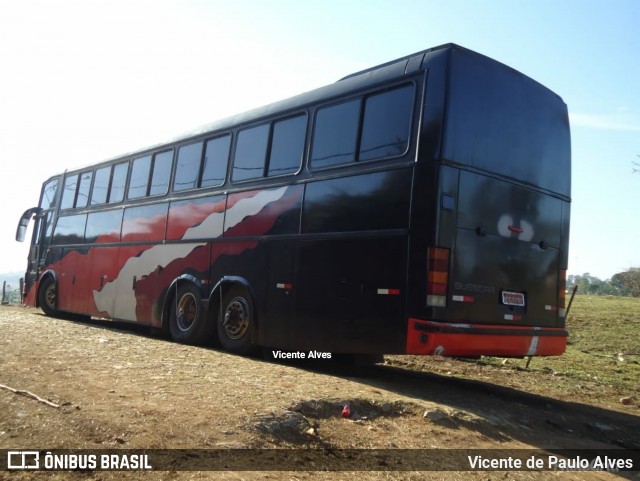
(49, 273)
(173, 289)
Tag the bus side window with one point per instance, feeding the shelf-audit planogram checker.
(251, 153)
(101, 186)
(150, 175)
(216, 158)
(335, 134)
(69, 192)
(104, 226)
(287, 145)
(162, 163)
(118, 182)
(49, 192)
(387, 123)
(70, 229)
(188, 167)
(139, 177)
(83, 189)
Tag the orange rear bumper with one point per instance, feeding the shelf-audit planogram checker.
(461, 339)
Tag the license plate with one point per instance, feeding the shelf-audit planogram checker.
(513, 298)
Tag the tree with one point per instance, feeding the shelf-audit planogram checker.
(587, 284)
(628, 282)
(622, 284)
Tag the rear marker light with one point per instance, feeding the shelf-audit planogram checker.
(389, 292)
(463, 298)
(512, 317)
(551, 308)
(284, 286)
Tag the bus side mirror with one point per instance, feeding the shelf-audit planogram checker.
(24, 223)
(22, 231)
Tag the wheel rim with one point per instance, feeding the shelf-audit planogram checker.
(187, 312)
(236, 318)
(50, 296)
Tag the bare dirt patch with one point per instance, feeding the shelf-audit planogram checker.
(120, 387)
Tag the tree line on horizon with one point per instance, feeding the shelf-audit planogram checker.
(626, 284)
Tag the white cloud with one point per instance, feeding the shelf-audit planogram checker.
(621, 121)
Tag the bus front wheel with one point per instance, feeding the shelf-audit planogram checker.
(187, 322)
(236, 321)
(48, 297)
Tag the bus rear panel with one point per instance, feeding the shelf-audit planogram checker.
(494, 264)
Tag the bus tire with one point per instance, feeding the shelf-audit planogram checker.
(48, 297)
(187, 321)
(236, 321)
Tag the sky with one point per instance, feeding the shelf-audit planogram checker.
(84, 81)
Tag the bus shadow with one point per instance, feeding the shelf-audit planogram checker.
(502, 414)
(112, 325)
(537, 420)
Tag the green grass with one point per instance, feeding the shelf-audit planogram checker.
(603, 344)
(604, 340)
(606, 325)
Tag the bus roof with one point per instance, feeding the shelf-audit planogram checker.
(363, 79)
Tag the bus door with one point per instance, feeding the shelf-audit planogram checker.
(40, 240)
(277, 328)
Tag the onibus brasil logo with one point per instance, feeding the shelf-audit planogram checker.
(33, 460)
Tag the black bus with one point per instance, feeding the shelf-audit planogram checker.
(420, 207)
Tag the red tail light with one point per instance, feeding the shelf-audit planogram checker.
(437, 277)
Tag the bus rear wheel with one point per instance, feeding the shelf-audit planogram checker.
(236, 321)
(48, 297)
(187, 322)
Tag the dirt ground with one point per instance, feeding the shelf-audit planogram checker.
(119, 387)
